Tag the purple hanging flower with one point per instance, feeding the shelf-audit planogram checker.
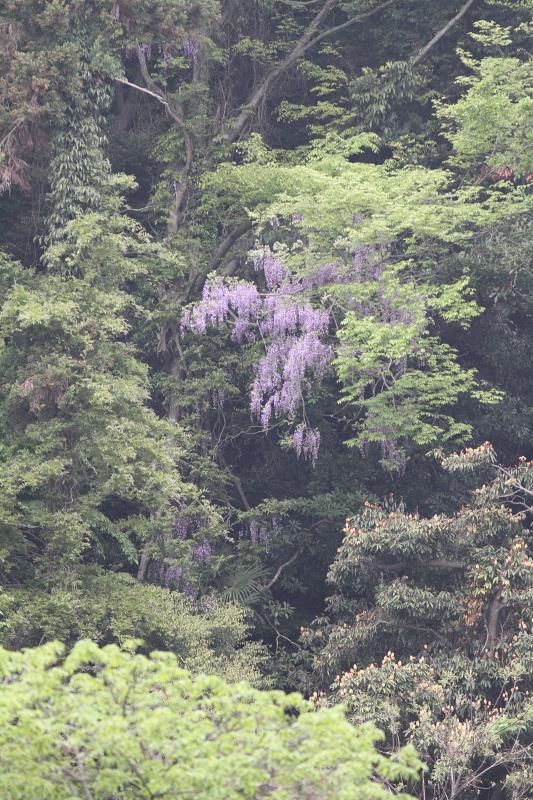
(272, 267)
(189, 591)
(218, 399)
(209, 604)
(306, 441)
(166, 56)
(170, 576)
(145, 49)
(191, 50)
(258, 533)
(292, 328)
(202, 552)
(181, 528)
(391, 452)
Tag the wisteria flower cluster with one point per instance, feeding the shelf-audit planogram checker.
(262, 531)
(291, 328)
(191, 50)
(179, 576)
(307, 441)
(295, 332)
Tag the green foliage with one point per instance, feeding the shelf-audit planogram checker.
(107, 722)
(402, 380)
(110, 607)
(126, 444)
(431, 633)
(491, 122)
(88, 472)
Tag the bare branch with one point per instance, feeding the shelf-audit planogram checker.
(223, 249)
(438, 36)
(350, 22)
(320, 522)
(309, 38)
(523, 296)
(281, 568)
(516, 485)
(235, 480)
(10, 132)
(181, 186)
(157, 96)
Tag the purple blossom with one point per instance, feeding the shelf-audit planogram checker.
(284, 317)
(170, 576)
(390, 451)
(306, 442)
(218, 299)
(202, 552)
(322, 276)
(297, 217)
(276, 523)
(280, 374)
(181, 528)
(364, 447)
(209, 604)
(258, 533)
(365, 267)
(166, 56)
(189, 591)
(388, 442)
(294, 330)
(261, 532)
(191, 49)
(145, 49)
(218, 399)
(173, 575)
(186, 525)
(271, 266)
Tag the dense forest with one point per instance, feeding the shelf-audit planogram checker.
(266, 374)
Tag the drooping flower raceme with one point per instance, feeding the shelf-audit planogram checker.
(388, 315)
(291, 328)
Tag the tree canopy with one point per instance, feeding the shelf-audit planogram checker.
(104, 722)
(260, 261)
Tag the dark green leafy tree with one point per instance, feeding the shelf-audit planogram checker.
(89, 473)
(429, 631)
(301, 133)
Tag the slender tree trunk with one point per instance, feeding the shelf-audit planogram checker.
(495, 607)
(143, 564)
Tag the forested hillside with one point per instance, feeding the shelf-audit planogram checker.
(266, 355)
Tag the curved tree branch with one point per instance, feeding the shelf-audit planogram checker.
(349, 23)
(235, 480)
(181, 186)
(280, 570)
(438, 36)
(309, 38)
(224, 248)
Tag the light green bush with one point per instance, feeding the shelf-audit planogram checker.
(107, 724)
